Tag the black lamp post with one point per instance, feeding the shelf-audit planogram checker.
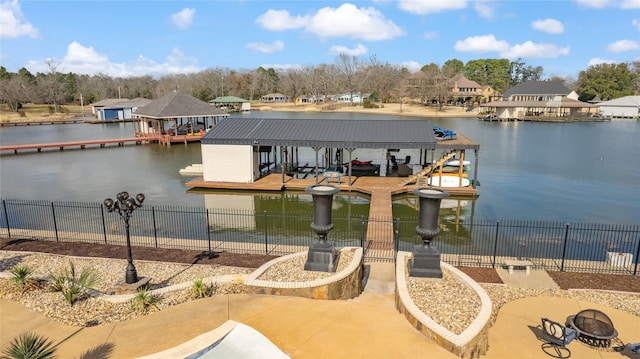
(426, 259)
(322, 256)
(125, 206)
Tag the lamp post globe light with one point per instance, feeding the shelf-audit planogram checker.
(426, 259)
(124, 206)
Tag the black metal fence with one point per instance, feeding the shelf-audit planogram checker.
(481, 242)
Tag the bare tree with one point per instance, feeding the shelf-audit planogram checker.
(349, 66)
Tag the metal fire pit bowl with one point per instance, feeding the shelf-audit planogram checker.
(594, 327)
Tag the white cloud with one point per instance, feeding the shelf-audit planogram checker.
(357, 51)
(483, 43)
(636, 24)
(85, 60)
(345, 21)
(280, 20)
(12, 22)
(184, 18)
(488, 43)
(267, 48)
(530, 50)
(551, 26)
(485, 9)
(423, 7)
(430, 35)
(282, 66)
(623, 45)
(411, 66)
(599, 61)
(601, 4)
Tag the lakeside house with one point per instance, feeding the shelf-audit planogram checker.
(623, 107)
(275, 97)
(540, 101)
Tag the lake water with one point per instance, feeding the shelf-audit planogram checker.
(572, 172)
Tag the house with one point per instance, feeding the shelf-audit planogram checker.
(623, 107)
(355, 98)
(232, 104)
(275, 97)
(98, 106)
(176, 117)
(540, 100)
(120, 109)
(461, 89)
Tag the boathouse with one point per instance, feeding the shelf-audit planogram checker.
(243, 150)
(623, 107)
(231, 104)
(176, 117)
(539, 101)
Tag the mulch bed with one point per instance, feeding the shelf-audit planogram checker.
(566, 280)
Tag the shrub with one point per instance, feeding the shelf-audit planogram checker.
(22, 114)
(145, 300)
(71, 285)
(200, 289)
(30, 346)
(368, 104)
(22, 276)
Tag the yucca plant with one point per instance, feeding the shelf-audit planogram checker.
(145, 300)
(29, 346)
(200, 289)
(22, 276)
(71, 285)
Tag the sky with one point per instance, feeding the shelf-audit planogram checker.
(167, 37)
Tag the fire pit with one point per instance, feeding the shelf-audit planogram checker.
(594, 328)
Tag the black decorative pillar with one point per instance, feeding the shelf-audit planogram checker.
(426, 259)
(322, 256)
(125, 206)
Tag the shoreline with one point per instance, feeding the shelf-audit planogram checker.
(394, 109)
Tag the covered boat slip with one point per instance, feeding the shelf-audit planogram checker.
(250, 153)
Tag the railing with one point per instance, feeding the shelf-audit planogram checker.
(549, 245)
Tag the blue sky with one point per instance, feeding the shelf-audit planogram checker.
(135, 38)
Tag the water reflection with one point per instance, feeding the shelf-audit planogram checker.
(455, 219)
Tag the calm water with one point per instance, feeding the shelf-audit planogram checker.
(574, 172)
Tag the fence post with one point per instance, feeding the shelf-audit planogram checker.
(6, 217)
(396, 238)
(362, 232)
(208, 230)
(155, 230)
(104, 223)
(635, 269)
(55, 223)
(266, 236)
(495, 244)
(564, 247)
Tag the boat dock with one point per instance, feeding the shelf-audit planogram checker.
(80, 144)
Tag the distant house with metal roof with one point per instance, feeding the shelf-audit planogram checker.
(176, 117)
(275, 97)
(351, 97)
(623, 107)
(231, 104)
(120, 109)
(539, 101)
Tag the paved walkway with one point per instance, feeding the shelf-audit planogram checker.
(366, 327)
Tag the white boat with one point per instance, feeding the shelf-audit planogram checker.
(448, 181)
(456, 163)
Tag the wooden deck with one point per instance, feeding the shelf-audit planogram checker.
(80, 144)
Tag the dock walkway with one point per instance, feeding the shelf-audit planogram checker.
(81, 144)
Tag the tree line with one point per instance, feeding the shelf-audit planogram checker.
(348, 74)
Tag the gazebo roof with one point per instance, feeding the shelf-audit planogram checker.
(176, 105)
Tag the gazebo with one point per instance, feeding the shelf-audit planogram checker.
(176, 117)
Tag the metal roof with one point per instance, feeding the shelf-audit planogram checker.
(538, 88)
(333, 133)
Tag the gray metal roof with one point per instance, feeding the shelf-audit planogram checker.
(538, 88)
(334, 133)
(178, 104)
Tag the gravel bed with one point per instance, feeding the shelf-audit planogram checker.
(446, 301)
(292, 270)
